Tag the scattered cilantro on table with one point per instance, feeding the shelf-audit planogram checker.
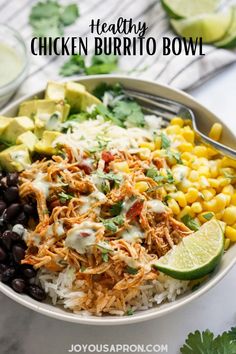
(48, 18)
(100, 64)
(205, 343)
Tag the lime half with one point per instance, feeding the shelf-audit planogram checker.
(211, 27)
(188, 8)
(196, 255)
(229, 40)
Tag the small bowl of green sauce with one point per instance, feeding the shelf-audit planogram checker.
(13, 62)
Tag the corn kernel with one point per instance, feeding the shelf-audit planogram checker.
(185, 147)
(230, 233)
(204, 171)
(233, 199)
(210, 205)
(223, 181)
(226, 244)
(188, 134)
(121, 166)
(141, 186)
(173, 129)
(228, 190)
(203, 182)
(211, 152)
(185, 185)
(219, 215)
(214, 183)
(215, 132)
(144, 153)
(196, 207)
(180, 198)
(187, 156)
(185, 211)
(230, 215)
(221, 202)
(193, 176)
(227, 162)
(174, 206)
(150, 146)
(157, 142)
(200, 151)
(208, 194)
(191, 195)
(206, 216)
(214, 170)
(177, 121)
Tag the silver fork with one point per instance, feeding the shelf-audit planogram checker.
(167, 109)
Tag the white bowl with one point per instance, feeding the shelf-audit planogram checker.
(205, 119)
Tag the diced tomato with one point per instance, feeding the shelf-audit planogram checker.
(86, 168)
(107, 156)
(84, 234)
(135, 210)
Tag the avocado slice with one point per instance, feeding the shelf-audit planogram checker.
(4, 122)
(55, 91)
(47, 114)
(29, 139)
(15, 158)
(44, 146)
(78, 98)
(16, 127)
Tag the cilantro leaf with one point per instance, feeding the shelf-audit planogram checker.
(102, 64)
(105, 257)
(116, 208)
(129, 312)
(198, 343)
(64, 197)
(113, 223)
(75, 65)
(131, 270)
(176, 155)
(114, 90)
(154, 174)
(208, 216)
(190, 222)
(69, 14)
(129, 113)
(48, 18)
(110, 176)
(165, 141)
(223, 344)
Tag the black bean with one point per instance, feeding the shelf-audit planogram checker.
(18, 284)
(2, 206)
(18, 253)
(29, 209)
(12, 211)
(7, 274)
(11, 194)
(12, 179)
(20, 219)
(6, 239)
(36, 292)
(3, 255)
(14, 236)
(28, 271)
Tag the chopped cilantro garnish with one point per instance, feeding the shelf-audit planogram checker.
(190, 222)
(64, 197)
(170, 178)
(116, 208)
(206, 343)
(165, 141)
(114, 90)
(105, 257)
(48, 18)
(113, 223)
(208, 216)
(176, 155)
(129, 113)
(131, 270)
(110, 176)
(129, 312)
(154, 174)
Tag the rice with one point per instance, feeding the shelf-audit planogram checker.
(60, 288)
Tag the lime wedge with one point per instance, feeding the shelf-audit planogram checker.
(229, 40)
(211, 27)
(188, 8)
(196, 255)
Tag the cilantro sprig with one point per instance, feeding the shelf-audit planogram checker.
(100, 64)
(206, 343)
(48, 18)
(153, 173)
(190, 222)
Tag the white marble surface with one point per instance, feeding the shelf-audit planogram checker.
(25, 332)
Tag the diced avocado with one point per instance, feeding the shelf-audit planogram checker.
(29, 139)
(55, 91)
(45, 146)
(16, 127)
(4, 122)
(78, 98)
(47, 114)
(15, 158)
